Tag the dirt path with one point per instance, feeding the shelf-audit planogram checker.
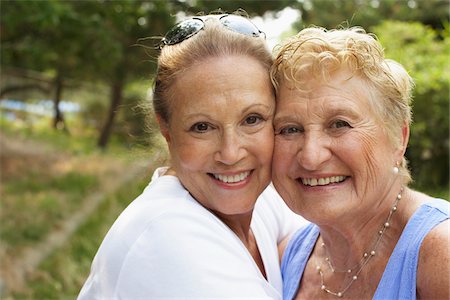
(16, 154)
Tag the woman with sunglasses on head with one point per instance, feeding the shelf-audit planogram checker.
(208, 226)
(342, 128)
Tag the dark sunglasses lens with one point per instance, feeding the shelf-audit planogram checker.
(240, 24)
(182, 31)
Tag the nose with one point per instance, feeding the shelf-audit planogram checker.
(231, 148)
(314, 152)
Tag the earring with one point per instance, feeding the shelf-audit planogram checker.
(396, 169)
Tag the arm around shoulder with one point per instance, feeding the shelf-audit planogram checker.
(433, 280)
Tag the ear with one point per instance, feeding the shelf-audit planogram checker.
(404, 140)
(164, 128)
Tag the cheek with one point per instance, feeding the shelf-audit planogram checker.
(267, 147)
(282, 163)
(261, 145)
(373, 155)
(283, 156)
(189, 153)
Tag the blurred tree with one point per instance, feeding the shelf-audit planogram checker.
(252, 7)
(424, 52)
(367, 13)
(93, 41)
(125, 22)
(43, 36)
(84, 40)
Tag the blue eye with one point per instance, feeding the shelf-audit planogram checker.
(200, 127)
(340, 124)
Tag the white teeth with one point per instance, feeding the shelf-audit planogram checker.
(322, 181)
(232, 178)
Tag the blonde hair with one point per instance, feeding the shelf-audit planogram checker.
(315, 54)
(214, 40)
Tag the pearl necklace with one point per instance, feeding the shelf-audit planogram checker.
(364, 260)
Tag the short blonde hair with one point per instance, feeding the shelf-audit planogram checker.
(315, 54)
(214, 40)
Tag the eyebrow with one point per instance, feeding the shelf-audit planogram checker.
(244, 111)
(286, 117)
(343, 111)
(257, 105)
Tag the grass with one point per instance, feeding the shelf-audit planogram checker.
(62, 274)
(46, 176)
(75, 142)
(54, 197)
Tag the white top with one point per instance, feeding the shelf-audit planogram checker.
(166, 245)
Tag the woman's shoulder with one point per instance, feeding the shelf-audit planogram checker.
(161, 196)
(434, 263)
(434, 256)
(429, 201)
(162, 210)
(422, 212)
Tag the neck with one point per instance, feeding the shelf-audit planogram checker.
(346, 246)
(353, 272)
(239, 224)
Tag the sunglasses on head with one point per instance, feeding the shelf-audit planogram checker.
(187, 28)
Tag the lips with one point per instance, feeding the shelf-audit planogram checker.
(323, 180)
(232, 178)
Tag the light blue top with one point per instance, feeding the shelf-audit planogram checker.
(399, 277)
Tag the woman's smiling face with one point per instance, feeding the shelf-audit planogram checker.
(220, 132)
(332, 156)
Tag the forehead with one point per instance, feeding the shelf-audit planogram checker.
(226, 66)
(228, 80)
(341, 85)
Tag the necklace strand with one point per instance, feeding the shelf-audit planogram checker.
(364, 260)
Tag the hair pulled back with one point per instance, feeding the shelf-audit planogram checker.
(214, 40)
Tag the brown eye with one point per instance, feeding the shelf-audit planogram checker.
(200, 127)
(253, 120)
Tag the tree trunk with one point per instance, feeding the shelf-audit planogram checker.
(58, 120)
(116, 99)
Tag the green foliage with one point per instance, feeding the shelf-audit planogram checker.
(368, 13)
(424, 52)
(252, 7)
(42, 35)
